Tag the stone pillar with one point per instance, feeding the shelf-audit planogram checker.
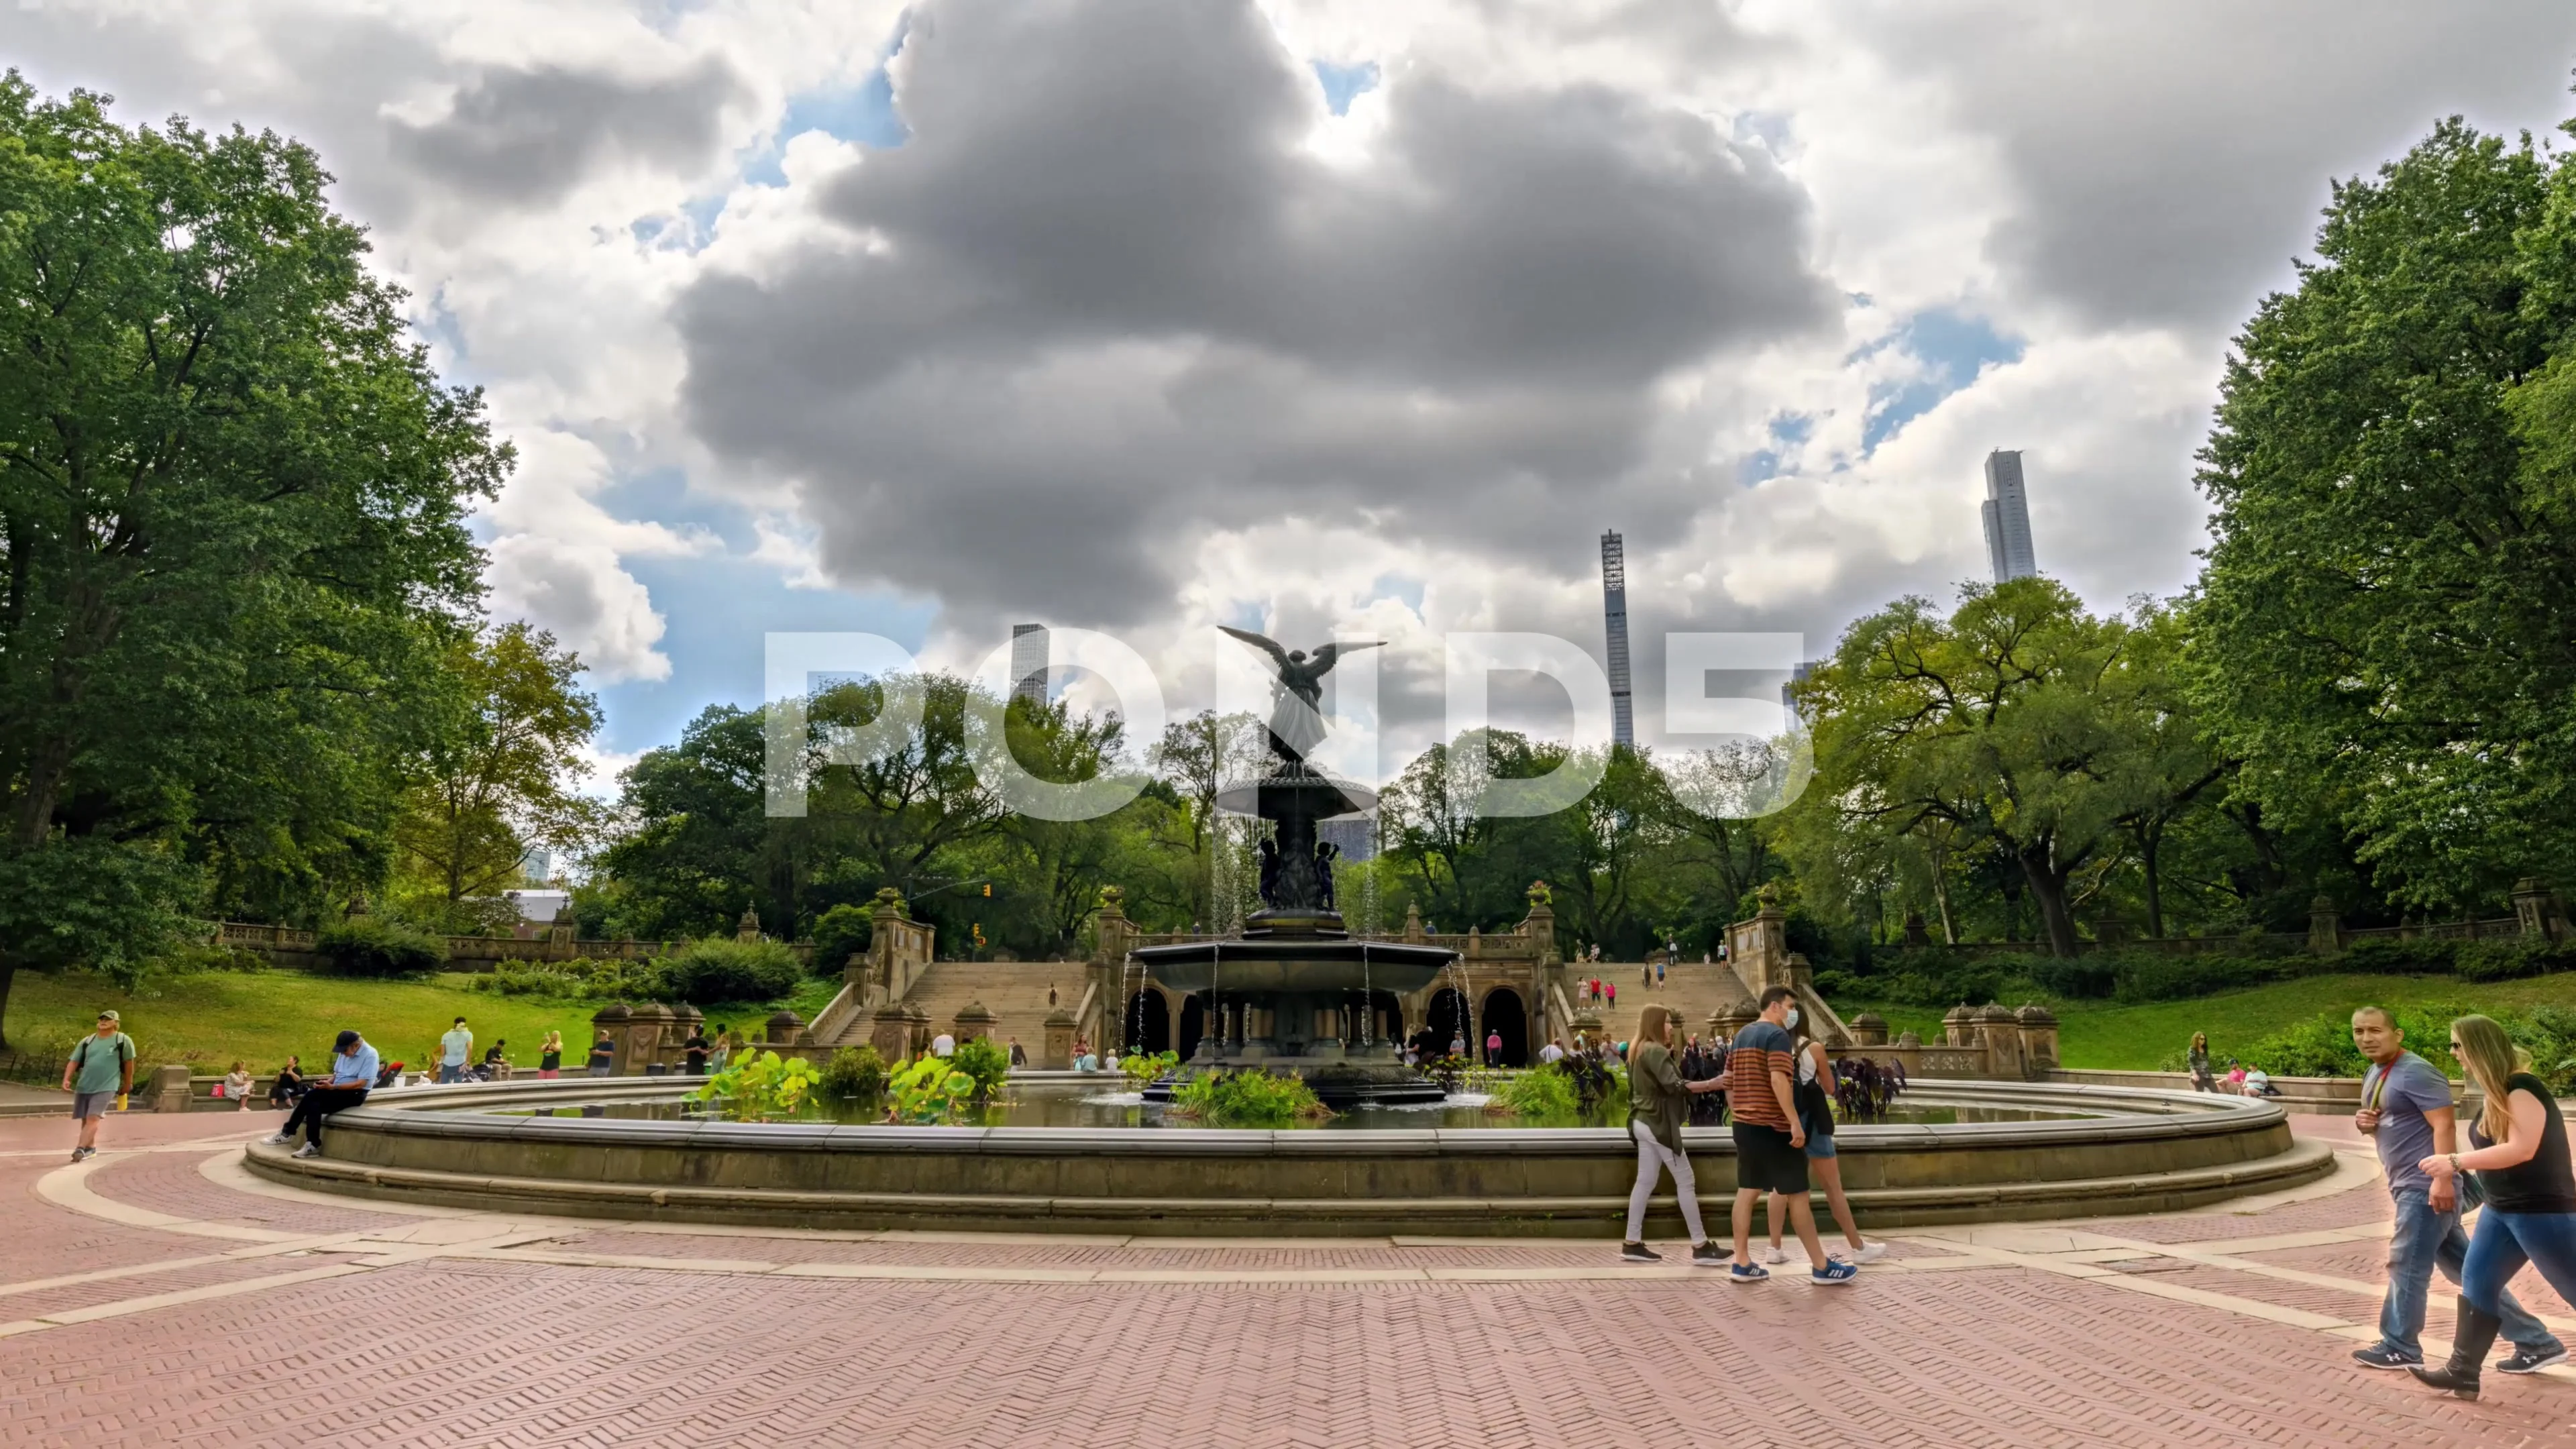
(168, 1089)
(1958, 1026)
(1727, 1020)
(2537, 910)
(2325, 928)
(2000, 1035)
(974, 1019)
(612, 1020)
(1412, 922)
(1869, 1029)
(648, 1037)
(2038, 1039)
(890, 1032)
(784, 1028)
(1916, 933)
(748, 928)
(1057, 1054)
(917, 1022)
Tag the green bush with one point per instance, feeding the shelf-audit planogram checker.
(2512, 960)
(2321, 1046)
(707, 972)
(854, 1074)
(603, 980)
(1543, 1093)
(985, 1060)
(2393, 956)
(372, 948)
(839, 934)
(1246, 1099)
(1141, 1068)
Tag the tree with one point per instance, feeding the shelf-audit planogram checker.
(2013, 723)
(503, 775)
(2386, 628)
(232, 545)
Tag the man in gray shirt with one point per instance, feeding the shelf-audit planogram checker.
(2406, 1110)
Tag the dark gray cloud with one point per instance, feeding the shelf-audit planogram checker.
(1109, 301)
(2172, 157)
(521, 135)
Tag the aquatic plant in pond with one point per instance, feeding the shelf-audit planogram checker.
(1543, 1093)
(1143, 1068)
(1246, 1099)
(854, 1074)
(760, 1087)
(984, 1060)
(930, 1091)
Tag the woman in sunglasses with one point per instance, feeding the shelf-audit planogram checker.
(2520, 1158)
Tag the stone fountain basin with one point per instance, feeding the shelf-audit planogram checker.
(1292, 964)
(2147, 1151)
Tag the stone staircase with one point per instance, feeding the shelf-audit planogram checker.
(1014, 991)
(1692, 989)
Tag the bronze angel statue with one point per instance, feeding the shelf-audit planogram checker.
(1297, 691)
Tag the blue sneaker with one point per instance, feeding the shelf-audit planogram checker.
(1747, 1273)
(1834, 1271)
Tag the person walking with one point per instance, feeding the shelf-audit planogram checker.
(1658, 1101)
(693, 1053)
(1493, 1047)
(2530, 1189)
(2406, 1111)
(1770, 1145)
(99, 1073)
(1816, 1115)
(353, 1073)
(454, 1050)
(2201, 1079)
(725, 1046)
(550, 1057)
(603, 1055)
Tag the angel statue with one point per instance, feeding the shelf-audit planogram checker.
(1297, 691)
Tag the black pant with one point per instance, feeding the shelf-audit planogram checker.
(319, 1103)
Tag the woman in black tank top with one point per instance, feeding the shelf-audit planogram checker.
(2520, 1156)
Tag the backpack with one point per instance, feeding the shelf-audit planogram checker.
(124, 1050)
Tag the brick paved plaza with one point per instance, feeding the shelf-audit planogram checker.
(160, 1296)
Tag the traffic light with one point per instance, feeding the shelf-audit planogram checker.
(988, 890)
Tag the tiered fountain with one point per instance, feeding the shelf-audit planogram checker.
(1294, 992)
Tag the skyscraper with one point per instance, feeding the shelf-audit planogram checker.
(1614, 614)
(2007, 514)
(1029, 662)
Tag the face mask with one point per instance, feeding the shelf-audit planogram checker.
(1792, 1022)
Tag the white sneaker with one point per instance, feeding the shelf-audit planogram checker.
(309, 1150)
(278, 1139)
(1867, 1253)
(1773, 1255)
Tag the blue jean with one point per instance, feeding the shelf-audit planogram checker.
(451, 1071)
(2423, 1239)
(2506, 1241)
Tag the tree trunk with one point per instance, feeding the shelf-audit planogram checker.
(2048, 890)
(2150, 841)
(8, 976)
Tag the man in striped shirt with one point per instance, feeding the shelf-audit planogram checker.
(1770, 1145)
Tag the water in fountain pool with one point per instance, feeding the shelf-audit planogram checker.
(1461, 1110)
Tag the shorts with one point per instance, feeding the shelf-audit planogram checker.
(1765, 1162)
(1819, 1144)
(86, 1105)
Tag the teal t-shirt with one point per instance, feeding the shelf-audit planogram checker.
(100, 1064)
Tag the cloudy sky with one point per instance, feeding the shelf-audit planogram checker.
(1368, 315)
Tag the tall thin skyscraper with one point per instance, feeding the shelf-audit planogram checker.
(2007, 514)
(1029, 662)
(1614, 615)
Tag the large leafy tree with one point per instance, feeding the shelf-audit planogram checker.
(231, 531)
(502, 775)
(2386, 630)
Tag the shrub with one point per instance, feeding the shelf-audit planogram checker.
(1246, 1099)
(930, 1091)
(2396, 956)
(707, 972)
(985, 1060)
(1143, 1067)
(604, 980)
(839, 934)
(2512, 960)
(372, 948)
(854, 1074)
(1544, 1093)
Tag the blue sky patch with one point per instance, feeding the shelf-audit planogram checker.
(1344, 84)
(1788, 430)
(1954, 347)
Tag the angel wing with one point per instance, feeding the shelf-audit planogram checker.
(1263, 643)
(1322, 659)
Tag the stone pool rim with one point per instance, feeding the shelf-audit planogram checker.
(2154, 1151)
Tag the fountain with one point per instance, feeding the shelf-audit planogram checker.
(1278, 989)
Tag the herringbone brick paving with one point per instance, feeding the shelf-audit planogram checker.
(474, 1351)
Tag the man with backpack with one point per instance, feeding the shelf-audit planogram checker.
(99, 1074)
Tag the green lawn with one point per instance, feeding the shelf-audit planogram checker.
(2105, 1036)
(211, 1019)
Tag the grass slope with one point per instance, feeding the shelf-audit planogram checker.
(2106, 1036)
(211, 1019)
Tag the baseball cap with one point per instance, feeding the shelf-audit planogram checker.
(109, 1015)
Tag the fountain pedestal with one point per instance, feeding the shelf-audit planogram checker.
(1291, 993)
